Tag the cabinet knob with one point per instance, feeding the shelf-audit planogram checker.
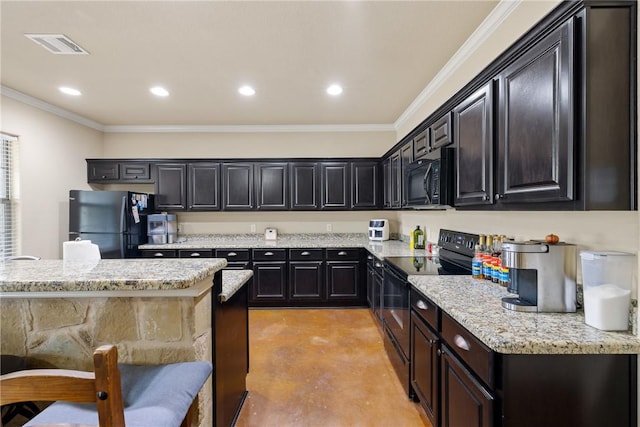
(485, 197)
(461, 343)
(342, 253)
(422, 305)
(440, 352)
(370, 257)
(378, 265)
(103, 177)
(195, 254)
(232, 254)
(498, 196)
(305, 253)
(158, 254)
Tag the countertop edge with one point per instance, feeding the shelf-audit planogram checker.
(232, 282)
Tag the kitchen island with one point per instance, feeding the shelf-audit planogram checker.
(55, 313)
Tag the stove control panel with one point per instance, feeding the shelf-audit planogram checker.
(457, 241)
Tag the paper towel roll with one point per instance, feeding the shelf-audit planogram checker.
(80, 250)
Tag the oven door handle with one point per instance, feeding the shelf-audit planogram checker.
(427, 183)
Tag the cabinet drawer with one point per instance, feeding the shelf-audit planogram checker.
(233, 254)
(343, 254)
(135, 171)
(269, 254)
(195, 253)
(425, 309)
(470, 350)
(160, 253)
(306, 254)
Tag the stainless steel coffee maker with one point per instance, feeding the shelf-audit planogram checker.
(542, 274)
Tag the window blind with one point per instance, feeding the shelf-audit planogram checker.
(8, 196)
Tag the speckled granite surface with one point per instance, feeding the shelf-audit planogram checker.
(106, 274)
(475, 304)
(232, 281)
(334, 240)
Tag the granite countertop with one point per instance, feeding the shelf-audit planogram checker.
(232, 282)
(329, 240)
(476, 305)
(106, 274)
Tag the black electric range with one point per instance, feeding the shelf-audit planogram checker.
(456, 251)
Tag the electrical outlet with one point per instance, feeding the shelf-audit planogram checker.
(329, 228)
(253, 228)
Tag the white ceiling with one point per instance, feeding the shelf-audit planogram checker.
(384, 53)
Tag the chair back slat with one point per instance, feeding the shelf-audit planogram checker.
(47, 385)
(110, 406)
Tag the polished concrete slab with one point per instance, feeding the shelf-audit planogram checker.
(324, 367)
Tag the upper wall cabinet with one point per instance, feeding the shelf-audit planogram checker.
(238, 188)
(171, 186)
(364, 185)
(272, 182)
(535, 123)
(421, 144)
(336, 186)
(111, 171)
(440, 130)
(203, 186)
(473, 137)
(304, 185)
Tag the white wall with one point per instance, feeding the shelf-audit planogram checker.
(52, 161)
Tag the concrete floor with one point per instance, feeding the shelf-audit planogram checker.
(323, 368)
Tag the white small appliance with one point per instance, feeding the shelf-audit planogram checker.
(379, 229)
(270, 234)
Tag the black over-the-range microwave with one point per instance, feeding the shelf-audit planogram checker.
(429, 181)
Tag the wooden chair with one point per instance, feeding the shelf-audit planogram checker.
(111, 396)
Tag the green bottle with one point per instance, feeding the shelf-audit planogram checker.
(418, 238)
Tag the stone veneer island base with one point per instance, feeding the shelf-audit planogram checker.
(56, 313)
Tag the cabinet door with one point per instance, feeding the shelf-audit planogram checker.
(335, 185)
(269, 282)
(386, 183)
(306, 281)
(425, 366)
(171, 186)
(396, 180)
(103, 171)
(465, 402)
(364, 185)
(135, 171)
(421, 145)
(406, 157)
(536, 141)
(237, 186)
(305, 186)
(271, 186)
(204, 186)
(473, 135)
(343, 280)
(441, 134)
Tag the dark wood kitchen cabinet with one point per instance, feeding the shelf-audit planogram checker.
(374, 287)
(203, 186)
(406, 157)
(473, 140)
(171, 186)
(535, 122)
(336, 186)
(395, 180)
(269, 277)
(306, 275)
(386, 183)
(304, 185)
(364, 185)
(272, 185)
(345, 271)
(100, 171)
(421, 144)
(441, 134)
(238, 186)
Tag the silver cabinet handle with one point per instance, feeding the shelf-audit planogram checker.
(498, 196)
(461, 343)
(378, 265)
(422, 305)
(158, 254)
(195, 254)
(232, 254)
(305, 253)
(370, 257)
(342, 253)
(268, 254)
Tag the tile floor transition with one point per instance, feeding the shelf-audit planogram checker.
(324, 367)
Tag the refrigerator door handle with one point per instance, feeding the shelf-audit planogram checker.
(123, 212)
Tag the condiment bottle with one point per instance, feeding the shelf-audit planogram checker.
(476, 262)
(418, 238)
(487, 259)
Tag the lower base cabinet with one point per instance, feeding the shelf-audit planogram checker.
(425, 367)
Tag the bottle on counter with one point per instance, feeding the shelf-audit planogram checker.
(476, 262)
(418, 238)
(496, 260)
(487, 258)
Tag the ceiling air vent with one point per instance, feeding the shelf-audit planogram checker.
(58, 44)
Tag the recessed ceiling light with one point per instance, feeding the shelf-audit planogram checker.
(159, 91)
(334, 90)
(69, 91)
(246, 91)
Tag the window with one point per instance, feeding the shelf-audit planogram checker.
(8, 196)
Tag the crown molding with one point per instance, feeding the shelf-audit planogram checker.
(475, 40)
(45, 106)
(249, 128)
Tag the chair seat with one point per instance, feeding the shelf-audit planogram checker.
(154, 396)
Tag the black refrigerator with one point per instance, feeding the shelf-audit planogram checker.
(114, 220)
